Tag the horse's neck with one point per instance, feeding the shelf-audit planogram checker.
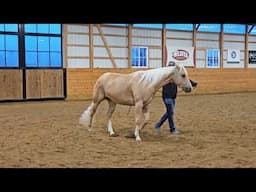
(160, 76)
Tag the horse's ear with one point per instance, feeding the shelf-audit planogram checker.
(177, 67)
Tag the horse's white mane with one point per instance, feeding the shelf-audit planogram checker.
(153, 76)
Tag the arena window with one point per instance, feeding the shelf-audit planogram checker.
(183, 26)
(209, 27)
(234, 28)
(43, 45)
(9, 46)
(117, 24)
(43, 28)
(9, 27)
(139, 57)
(213, 58)
(155, 26)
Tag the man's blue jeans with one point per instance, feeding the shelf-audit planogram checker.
(170, 106)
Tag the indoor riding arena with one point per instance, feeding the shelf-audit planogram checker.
(47, 74)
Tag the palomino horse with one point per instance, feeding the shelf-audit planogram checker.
(134, 89)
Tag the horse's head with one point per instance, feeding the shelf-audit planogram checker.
(181, 79)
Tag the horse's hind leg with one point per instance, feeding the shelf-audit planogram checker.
(98, 98)
(111, 109)
(146, 113)
(93, 110)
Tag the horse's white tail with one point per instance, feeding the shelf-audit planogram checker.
(85, 118)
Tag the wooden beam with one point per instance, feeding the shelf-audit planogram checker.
(250, 30)
(164, 45)
(149, 46)
(221, 45)
(194, 43)
(112, 35)
(211, 40)
(91, 48)
(65, 45)
(146, 37)
(113, 46)
(129, 46)
(179, 38)
(246, 47)
(78, 33)
(106, 46)
(197, 26)
(83, 45)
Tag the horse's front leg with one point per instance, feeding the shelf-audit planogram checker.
(111, 109)
(139, 119)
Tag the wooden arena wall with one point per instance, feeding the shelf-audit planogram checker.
(92, 49)
(11, 84)
(46, 83)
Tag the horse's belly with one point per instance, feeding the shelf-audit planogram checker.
(121, 99)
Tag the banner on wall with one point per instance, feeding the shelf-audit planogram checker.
(180, 55)
(252, 56)
(233, 56)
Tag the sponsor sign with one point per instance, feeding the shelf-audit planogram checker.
(180, 55)
(252, 57)
(233, 56)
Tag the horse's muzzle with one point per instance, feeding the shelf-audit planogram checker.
(187, 89)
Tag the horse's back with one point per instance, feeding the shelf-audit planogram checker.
(117, 87)
(112, 77)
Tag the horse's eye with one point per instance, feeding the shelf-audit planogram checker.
(183, 76)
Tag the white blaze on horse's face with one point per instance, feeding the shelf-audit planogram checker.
(181, 78)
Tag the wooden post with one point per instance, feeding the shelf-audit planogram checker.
(221, 45)
(246, 47)
(91, 51)
(164, 45)
(65, 45)
(106, 46)
(129, 46)
(194, 43)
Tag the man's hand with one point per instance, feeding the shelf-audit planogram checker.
(193, 83)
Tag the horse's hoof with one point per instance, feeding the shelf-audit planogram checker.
(138, 139)
(113, 135)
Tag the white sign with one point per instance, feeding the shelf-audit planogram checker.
(180, 55)
(233, 56)
(252, 56)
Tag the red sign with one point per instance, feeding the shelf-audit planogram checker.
(180, 55)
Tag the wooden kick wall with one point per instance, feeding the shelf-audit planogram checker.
(44, 83)
(81, 81)
(10, 84)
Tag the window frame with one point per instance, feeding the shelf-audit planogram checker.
(147, 59)
(21, 47)
(4, 32)
(44, 35)
(207, 63)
